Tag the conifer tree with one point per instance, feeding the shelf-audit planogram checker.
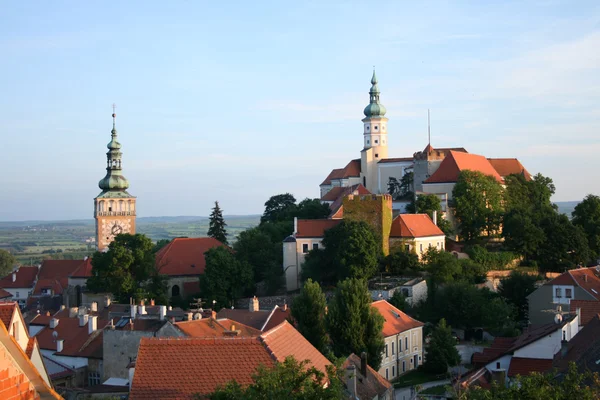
(216, 227)
(308, 311)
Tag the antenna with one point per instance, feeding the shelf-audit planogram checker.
(428, 128)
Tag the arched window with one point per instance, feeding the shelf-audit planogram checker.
(175, 291)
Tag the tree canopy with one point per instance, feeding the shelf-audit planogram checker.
(441, 350)
(514, 290)
(401, 189)
(283, 207)
(587, 216)
(427, 204)
(7, 262)
(216, 224)
(308, 312)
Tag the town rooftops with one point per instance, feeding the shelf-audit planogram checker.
(84, 270)
(456, 162)
(583, 349)
(372, 386)
(7, 311)
(351, 170)
(587, 309)
(526, 366)
(23, 277)
(395, 320)
(185, 256)
(509, 166)
(586, 278)
(414, 226)
(77, 340)
(54, 275)
(262, 320)
(314, 228)
(210, 327)
(396, 160)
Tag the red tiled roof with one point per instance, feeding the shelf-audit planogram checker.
(371, 386)
(393, 160)
(508, 166)
(455, 162)
(334, 193)
(563, 279)
(54, 284)
(315, 228)
(4, 294)
(6, 312)
(77, 341)
(180, 368)
(84, 270)
(209, 327)
(334, 174)
(185, 256)
(587, 279)
(352, 169)
(395, 320)
(42, 319)
(262, 319)
(337, 205)
(25, 278)
(583, 348)
(55, 274)
(414, 226)
(30, 346)
(589, 309)
(525, 366)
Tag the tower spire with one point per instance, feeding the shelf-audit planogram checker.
(428, 128)
(375, 108)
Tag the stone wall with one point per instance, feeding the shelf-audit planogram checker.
(376, 210)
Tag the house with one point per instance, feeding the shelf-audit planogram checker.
(575, 284)
(19, 284)
(164, 366)
(585, 309)
(363, 382)
(416, 233)
(254, 317)
(52, 282)
(5, 296)
(583, 349)
(213, 327)
(403, 337)
(413, 290)
(21, 377)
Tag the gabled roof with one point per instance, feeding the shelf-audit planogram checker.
(84, 270)
(315, 228)
(396, 321)
(586, 278)
(55, 274)
(338, 203)
(209, 327)
(4, 294)
(456, 162)
(6, 312)
(185, 256)
(261, 319)
(371, 386)
(351, 170)
(526, 366)
(589, 309)
(414, 226)
(25, 278)
(77, 340)
(509, 166)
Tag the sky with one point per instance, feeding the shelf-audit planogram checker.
(237, 101)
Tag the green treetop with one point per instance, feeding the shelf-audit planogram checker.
(7, 262)
(308, 311)
(216, 226)
(587, 216)
(441, 350)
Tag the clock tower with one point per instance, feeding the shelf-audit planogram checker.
(114, 208)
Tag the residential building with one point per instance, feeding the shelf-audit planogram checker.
(163, 366)
(583, 349)
(413, 290)
(585, 309)
(363, 382)
(416, 233)
(254, 317)
(403, 337)
(213, 327)
(575, 284)
(19, 284)
(52, 282)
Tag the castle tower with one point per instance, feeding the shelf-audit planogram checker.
(375, 138)
(114, 208)
(375, 210)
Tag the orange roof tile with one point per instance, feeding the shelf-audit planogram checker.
(587, 279)
(455, 162)
(209, 327)
(30, 346)
(371, 386)
(55, 274)
(395, 320)
(334, 174)
(180, 368)
(6, 312)
(414, 226)
(563, 279)
(185, 256)
(352, 169)
(508, 166)
(589, 309)
(4, 294)
(25, 278)
(525, 366)
(77, 341)
(315, 228)
(84, 270)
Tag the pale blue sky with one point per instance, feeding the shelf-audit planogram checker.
(236, 101)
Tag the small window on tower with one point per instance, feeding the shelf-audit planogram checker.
(376, 155)
(368, 141)
(375, 127)
(376, 141)
(109, 209)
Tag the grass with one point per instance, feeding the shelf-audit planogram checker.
(416, 377)
(439, 390)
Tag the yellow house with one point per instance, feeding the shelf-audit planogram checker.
(416, 233)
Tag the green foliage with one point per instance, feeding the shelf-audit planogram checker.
(225, 278)
(478, 206)
(308, 312)
(216, 227)
(283, 207)
(7, 262)
(514, 290)
(442, 266)
(441, 351)
(427, 204)
(587, 216)
(522, 233)
(312, 209)
(398, 301)
(490, 260)
(400, 262)
(401, 189)
(290, 379)
(565, 245)
(351, 251)
(128, 269)
(160, 244)
(353, 325)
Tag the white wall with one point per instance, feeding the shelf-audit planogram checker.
(563, 299)
(73, 362)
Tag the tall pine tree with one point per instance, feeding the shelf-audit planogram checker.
(216, 227)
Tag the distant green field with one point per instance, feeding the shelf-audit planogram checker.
(31, 241)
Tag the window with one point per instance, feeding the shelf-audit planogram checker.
(407, 247)
(568, 293)
(93, 378)
(403, 366)
(376, 155)
(109, 209)
(315, 246)
(497, 365)
(386, 374)
(393, 352)
(386, 350)
(393, 371)
(406, 343)
(175, 291)
(375, 127)
(368, 141)
(400, 345)
(305, 248)
(376, 141)
(16, 330)
(421, 247)
(17, 294)
(558, 292)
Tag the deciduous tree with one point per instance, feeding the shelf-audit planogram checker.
(279, 208)
(7, 262)
(441, 350)
(308, 311)
(515, 289)
(587, 216)
(216, 224)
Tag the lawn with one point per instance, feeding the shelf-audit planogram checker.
(416, 377)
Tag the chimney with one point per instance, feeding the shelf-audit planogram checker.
(92, 324)
(63, 307)
(152, 302)
(213, 314)
(295, 225)
(83, 319)
(170, 308)
(579, 315)
(190, 316)
(142, 308)
(59, 345)
(564, 348)
(162, 312)
(133, 310)
(107, 302)
(435, 218)
(284, 306)
(363, 364)
(85, 258)
(351, 381)
(53, 323)
(73, 312)
(94, 307)
(14, 276)
(585, 278)
(254, 304)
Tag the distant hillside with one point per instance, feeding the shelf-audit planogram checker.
(566, 207)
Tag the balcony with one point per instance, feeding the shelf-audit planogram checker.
(115, 213)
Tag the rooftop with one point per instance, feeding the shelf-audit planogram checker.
(262, 320)
(315, 228)
(352, 169)
(456, 162)
(77, 340)
(526, 366)
(371, 386)
(185, 256)
(586, 278)
(509, 166)
(588, 308)
(24, 278)
(414, 226)
(209, 327)
(396, 321)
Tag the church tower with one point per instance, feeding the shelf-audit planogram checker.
(114, 208)
(375, 138)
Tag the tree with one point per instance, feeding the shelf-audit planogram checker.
(398, 300)
(312, 209)
(353, 325)
(279, 208)
(587, 216)
(522, 233)
(427, 204)
(442, 266)
(308, 311)
(515, 289)
(401, 189)
(225, 278)
(7, 262)
(565, 245)
(477, 200)
(290, 379)
(400, 262)
(216, 225)
(160, 244)
(441, 351)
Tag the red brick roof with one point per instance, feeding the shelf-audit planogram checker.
(315, 228)
(455, 162)
(55, 274)
(508, 166)
(6, 312)
(526, 366)
(185, 256)
(352, 169)
(371, 386)
(334, 174)
(395, 320)
(209, 327)
(180, 368)
(589, 309)
(4, 294)
(337, 206)
(588, 279)
(84, 270)
(414, 226)
(262, 320)
(77, 341)
(25, 278)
